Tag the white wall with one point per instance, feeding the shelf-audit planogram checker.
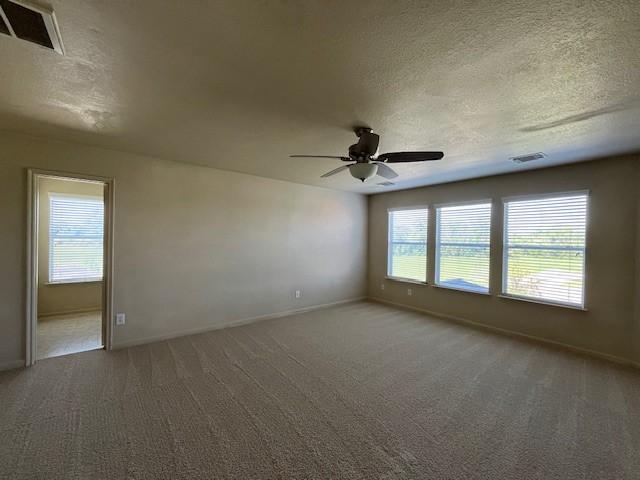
(194, 247)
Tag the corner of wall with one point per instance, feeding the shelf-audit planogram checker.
(608, 327)
(635, 348)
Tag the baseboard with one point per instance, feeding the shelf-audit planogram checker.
(70, 312)
(10, 365)
(233, 323)
(514, 334)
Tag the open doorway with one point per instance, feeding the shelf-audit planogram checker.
(69, 293)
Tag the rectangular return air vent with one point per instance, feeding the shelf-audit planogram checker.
(31, 23)
(528, 158)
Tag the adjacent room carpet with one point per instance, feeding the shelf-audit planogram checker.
(360, 391)
(65, 334)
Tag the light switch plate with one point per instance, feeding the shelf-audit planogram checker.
(120, 319)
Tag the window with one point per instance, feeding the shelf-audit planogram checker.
(76, 225)
(544, 247)
(462, 246)
(408, 244)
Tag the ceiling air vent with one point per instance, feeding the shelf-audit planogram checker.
(385, 184)
(30, 22)
(528, 158)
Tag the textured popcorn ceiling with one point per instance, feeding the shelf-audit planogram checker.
(241, 84)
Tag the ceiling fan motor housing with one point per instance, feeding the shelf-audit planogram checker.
(363, 171)
(366, 147)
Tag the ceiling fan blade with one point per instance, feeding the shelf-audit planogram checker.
(344, 159)
(399, 157)
(335, 170)
(385, 171)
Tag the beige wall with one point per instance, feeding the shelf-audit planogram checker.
(66, 297)
(611, 289)
(194, 247)
(636, 339)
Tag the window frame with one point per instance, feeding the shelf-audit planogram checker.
(505, 248)
(49, 281)
(436, 269)
(388, 276)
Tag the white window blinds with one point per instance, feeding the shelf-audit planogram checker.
(76, 226)
(544, 248)
(462, 247)
(407, 249)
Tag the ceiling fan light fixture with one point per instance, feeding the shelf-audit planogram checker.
(367, 161)
(363, 171)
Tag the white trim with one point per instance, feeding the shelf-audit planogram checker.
(405, 280)
(426, 243)
(584, 255)
(514, 334)
(436, 243)
(540, 301)
(505, 247)
(11, 364)
(544, 196)
(411, 207)
(458, 289)
(464, 203)
(32, 268)
(51, 23)
(31, 310)
(76, 195)
(436, 263)
(71, 176)
(107, 271)
(232, 323)
(389, 212)
(73, 282)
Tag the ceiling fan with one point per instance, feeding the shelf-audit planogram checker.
(367, 162)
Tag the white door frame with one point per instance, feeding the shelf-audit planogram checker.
(33, 176)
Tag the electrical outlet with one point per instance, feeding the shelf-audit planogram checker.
(409, 292)
(120, 318)
(298, 293)
(382, 286)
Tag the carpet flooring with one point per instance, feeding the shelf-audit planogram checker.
(65, 334)
(358, 391)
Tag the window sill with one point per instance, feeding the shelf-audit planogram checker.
(71, 282)
(444, 287)
(543, 302)
(405, 280)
